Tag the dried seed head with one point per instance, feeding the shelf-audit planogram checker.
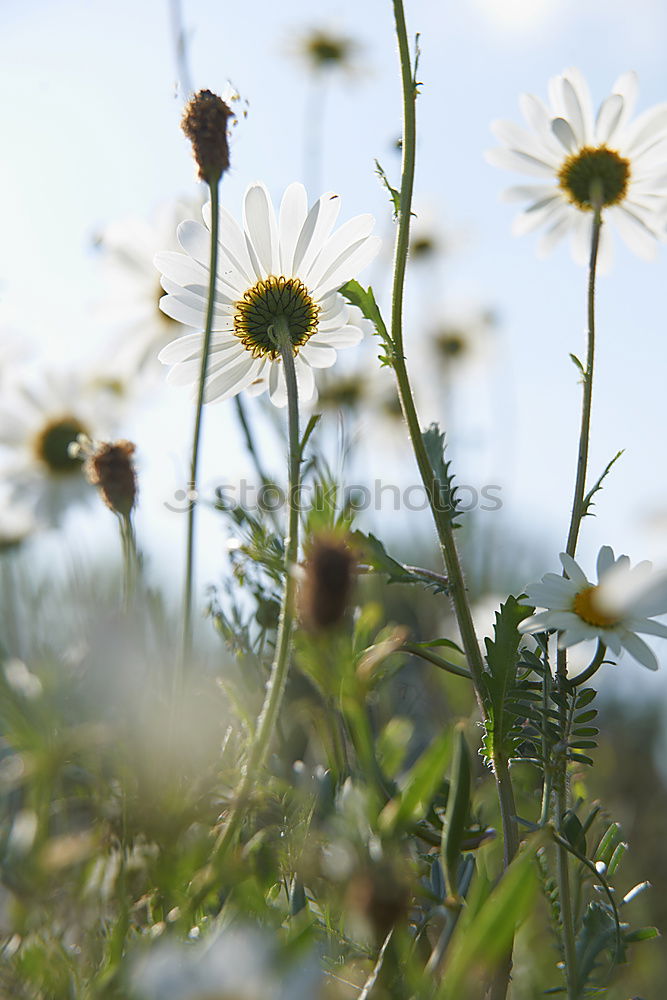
(110, 467)
(327, 585)
(205, 124)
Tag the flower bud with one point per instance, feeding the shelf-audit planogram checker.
(327, 584)
(110, 467)
(205, 124)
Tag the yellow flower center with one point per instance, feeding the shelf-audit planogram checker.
(591, 168)
(51, 445)
(270, 300)
(586, 605)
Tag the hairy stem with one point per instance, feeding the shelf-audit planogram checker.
(441, 517)
(578, 512)
(194, 462)
(276, 686)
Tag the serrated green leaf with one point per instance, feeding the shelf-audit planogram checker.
(394, 195)
(434, 442)
(588, 499)
(502, 734)
(364, 299)
(598, 934)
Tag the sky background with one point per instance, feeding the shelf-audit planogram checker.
(90, 133)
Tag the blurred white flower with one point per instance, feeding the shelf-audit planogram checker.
(572, 151)
(17, 522)
(40, 417)
(287, 268)
(622, 603)
(234, 964)
(137, 327)
(462, 335)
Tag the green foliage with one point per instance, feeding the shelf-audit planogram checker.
(377, 557)
(458, 809)
(364, 299)
(394, 194)
(509, 701)
(446, 500)
(597, 486)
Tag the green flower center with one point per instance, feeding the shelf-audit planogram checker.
(592, 168)
(270, 300)
(586, 605)
(52, 445)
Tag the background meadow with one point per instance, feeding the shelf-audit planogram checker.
(94, 161)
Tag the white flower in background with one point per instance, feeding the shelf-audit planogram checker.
(234, 964)
(570, 150)
(40, 417)
(621, 604)
(137, 327)
(291, 268)
(17, 522)
(462, 335)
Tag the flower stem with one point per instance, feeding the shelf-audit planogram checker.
(130, 559)
(578, 512)
(189, 559)
(457, 589)
(275, 688)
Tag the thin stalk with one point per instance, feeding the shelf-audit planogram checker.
(443, 524)
(275, 689)
(189, 559)
(180, 47)
(130, 559)
(250, 441)
(584, 434)
(578, 511)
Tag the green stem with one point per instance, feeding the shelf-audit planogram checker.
(130, 559)
(438, 661)
(443, 524)
(189, 559)
(584, 435)
(276, 686)
(578, 512)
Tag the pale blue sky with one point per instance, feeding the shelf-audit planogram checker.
(89, 119)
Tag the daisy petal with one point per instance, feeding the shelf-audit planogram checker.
(638, 649)
(608, 118)
(261, 230)
(573, 570)
(315, 231)
(293, 212)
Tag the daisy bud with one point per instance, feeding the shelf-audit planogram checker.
(110, 467)
(205, 124)
(327, 585)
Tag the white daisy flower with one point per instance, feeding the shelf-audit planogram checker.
(17, 523)
(621, 604)
(570, 149)
(289, 267)
(39, 419)
(137, 327)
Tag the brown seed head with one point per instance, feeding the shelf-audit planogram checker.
(205, 124)
(328, 581)
(110, 467)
